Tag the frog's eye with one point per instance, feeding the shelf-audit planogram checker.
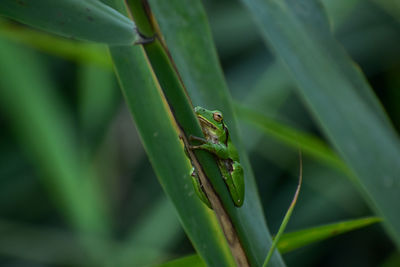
(217, 116)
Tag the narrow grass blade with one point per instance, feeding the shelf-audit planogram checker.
(298, 239)
(286, 219)
(89, 20)
(308, 144)
(339, 97)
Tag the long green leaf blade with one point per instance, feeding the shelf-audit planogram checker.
(201, 73)
(89, 20)
(160, 138)
(298, 239)
(161, 142)
(339, 98)
(292, 137)
(288, 214)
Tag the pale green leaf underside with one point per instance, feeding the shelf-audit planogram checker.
(89, 20)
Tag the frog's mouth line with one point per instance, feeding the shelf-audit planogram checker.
(206, 122)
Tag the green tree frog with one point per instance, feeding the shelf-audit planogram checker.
(218, 142)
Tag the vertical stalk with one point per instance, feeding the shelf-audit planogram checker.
(182, 111)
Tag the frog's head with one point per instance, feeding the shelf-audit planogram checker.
(211, 121)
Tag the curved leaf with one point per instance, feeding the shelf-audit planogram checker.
(298, 239)
(339, 97)
(288, 214)
(88, 20)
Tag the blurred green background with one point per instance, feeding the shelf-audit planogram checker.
(140, 226)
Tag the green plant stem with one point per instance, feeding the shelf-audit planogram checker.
(160, 137)
(182, 111)
(286, 218)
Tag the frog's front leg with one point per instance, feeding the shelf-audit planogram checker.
(220, 150)
(198, 188)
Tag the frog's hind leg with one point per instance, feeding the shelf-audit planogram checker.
(234, 181)
(238, 180)
(198, 188)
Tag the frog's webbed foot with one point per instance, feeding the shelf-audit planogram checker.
(196, 138)
(220, 150)
(199, 189)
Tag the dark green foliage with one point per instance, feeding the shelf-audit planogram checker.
(80, 180)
